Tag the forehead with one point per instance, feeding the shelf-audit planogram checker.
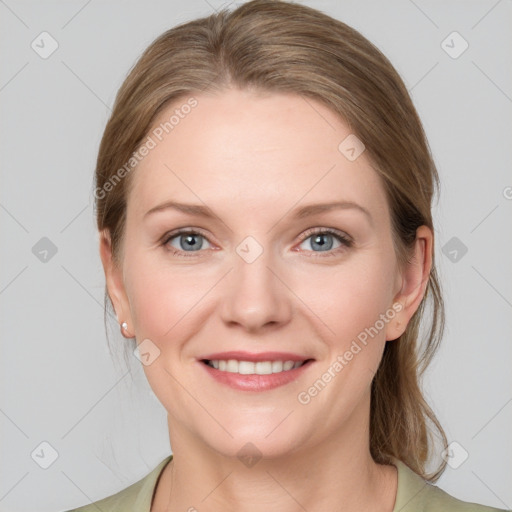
(251, 150)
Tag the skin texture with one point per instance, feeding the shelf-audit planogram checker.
(253, 158)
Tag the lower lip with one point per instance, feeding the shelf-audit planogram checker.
(256, 382)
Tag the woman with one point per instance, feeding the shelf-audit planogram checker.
(264, 191)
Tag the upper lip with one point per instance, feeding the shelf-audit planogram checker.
(240, 355)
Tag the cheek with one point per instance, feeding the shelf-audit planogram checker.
(159, 298)
(352, 297)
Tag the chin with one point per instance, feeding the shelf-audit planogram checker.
(250, 440)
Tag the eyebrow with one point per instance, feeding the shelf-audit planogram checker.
(299, 213)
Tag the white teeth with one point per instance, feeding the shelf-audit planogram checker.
(277, 366)
(251, 368)
(263, 368)
(231, 366)
(244, 367)
(288, 365)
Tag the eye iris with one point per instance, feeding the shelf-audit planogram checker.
(194, 245)
(322, 245)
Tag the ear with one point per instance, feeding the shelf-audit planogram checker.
(412, 283)
(115, 284)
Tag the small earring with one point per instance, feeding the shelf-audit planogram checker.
(124, 327)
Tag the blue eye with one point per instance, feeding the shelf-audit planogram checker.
(186, 240)
(322, 241)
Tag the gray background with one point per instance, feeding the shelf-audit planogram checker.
(59, 384)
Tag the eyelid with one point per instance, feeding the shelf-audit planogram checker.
(345, 239)
(183, 231)
(332, 231)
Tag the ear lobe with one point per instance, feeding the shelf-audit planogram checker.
(414, 278)
(114, 279)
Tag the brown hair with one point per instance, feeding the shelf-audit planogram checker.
(270, 45)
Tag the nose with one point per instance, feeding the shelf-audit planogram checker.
(254, 296)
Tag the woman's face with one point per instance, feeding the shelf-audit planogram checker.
(256, 275)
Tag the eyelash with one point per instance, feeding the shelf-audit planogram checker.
(346, 241)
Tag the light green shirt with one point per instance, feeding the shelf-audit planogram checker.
(413, 495)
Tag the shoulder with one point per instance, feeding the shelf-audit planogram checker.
(414, 494)
(137, 496)
(435, 499)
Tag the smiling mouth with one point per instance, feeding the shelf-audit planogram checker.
(254, 368)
